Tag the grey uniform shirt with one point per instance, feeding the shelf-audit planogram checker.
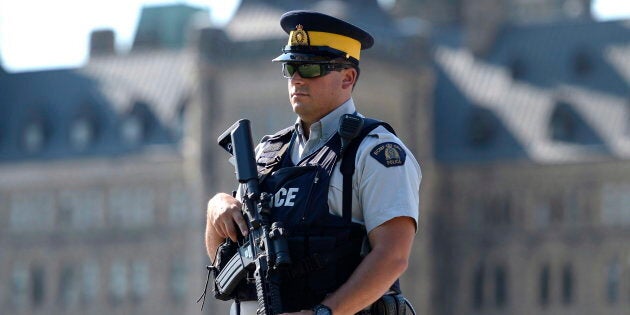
(379, 193)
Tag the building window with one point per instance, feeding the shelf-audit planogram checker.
(34, 136)
(563, 124)
(90, 282)
(81, 208)
(615, 204)
(138, 124)
(542, 213)
(612, 281)
(544, 286)
(32, 211)
(118, 282)
(82, 132)
(557, 209)
(131, 206)
(518, 68)
(177, 280)
(476, 212)
(574, 209)
(478, 287)
(500, 286)
(38, 286)
(582, 63)
(567, 284)
(179, 204)
(482, 128)
(132, 129)
(498, 210)
(19, 286)
(139, 280)
(68, 291)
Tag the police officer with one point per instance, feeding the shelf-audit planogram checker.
(348, 246)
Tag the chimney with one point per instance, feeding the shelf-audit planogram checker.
(102, 43)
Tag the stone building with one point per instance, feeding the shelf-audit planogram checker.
(97, 212)
(532, 148)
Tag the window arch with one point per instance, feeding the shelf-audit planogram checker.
(544, 286)
(137, 124)
(35, 132)
(84, 128)
(500, 286)
(582, 62)
(482, 128)
(518, 68)
(567, 284)
(567, 125)
(478, 284)
(563, 126)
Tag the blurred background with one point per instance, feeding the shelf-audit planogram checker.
(518, 111)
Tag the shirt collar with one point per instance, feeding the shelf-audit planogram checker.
(328, 125)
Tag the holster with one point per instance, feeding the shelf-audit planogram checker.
(391, 304)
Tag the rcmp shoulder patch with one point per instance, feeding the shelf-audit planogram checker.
(389, 154)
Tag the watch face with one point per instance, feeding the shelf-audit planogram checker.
(322, 310)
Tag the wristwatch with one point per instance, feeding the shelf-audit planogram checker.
(321, 309)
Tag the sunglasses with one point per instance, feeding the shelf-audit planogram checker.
(311, 70)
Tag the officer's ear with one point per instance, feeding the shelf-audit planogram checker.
(349, 79)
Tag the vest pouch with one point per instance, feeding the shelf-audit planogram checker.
(312, 274)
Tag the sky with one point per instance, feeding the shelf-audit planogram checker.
(45, 34)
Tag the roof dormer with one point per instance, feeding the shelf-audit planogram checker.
(84, 128)
(137, 124)
(35, 132)
(567, 125)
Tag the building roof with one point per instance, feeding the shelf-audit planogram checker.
(260, 19)
(114, 97)
(114, 105)
(542, 103)
(162, 78)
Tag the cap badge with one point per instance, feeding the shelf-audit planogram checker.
(299, 37)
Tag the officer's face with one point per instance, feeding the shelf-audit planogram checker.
(313, 98)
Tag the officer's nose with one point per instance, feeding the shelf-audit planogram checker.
(296, 78)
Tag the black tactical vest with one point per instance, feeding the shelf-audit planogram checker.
(325, 249)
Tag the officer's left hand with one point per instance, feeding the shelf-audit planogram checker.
(302, 312)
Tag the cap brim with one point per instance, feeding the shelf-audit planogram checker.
(302, 57)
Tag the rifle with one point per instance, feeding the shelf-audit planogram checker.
(264, 252)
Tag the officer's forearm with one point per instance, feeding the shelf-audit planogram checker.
(386, 262)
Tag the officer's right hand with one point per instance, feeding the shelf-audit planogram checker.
(225, 217)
